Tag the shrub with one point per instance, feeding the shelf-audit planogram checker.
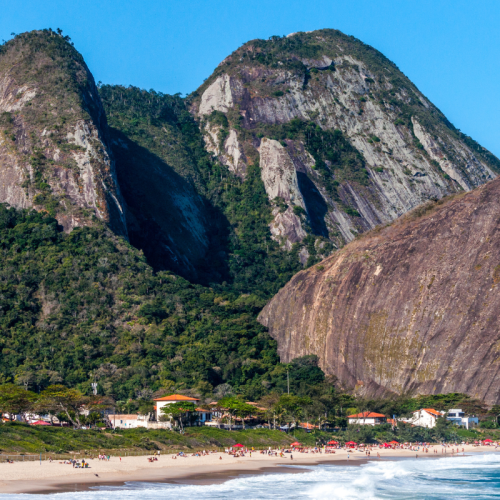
(298, 210)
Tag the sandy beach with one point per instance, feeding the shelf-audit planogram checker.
(33, 477)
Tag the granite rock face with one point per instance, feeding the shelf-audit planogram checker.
(411, 308)
(54, 145)
(410, 152)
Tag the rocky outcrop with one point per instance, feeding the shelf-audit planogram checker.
(411, 152)
(410, 308)
(54, 146)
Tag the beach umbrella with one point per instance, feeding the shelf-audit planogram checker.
(238, 445)
(393, 442)
(385, 445)
(332, 442)
(40, 422)
(350, 443)
(295, 444)
(488, 441)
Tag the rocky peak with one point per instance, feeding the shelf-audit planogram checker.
(377, 146)
(54, 147)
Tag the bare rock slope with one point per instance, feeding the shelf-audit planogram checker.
(411, 308)
(54, 152)
(366, 144)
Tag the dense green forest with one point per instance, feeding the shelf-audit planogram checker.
(86, 304)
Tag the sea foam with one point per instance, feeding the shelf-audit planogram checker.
(474, 477)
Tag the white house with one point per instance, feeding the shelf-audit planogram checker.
(168, 400)
(426, 417)
(131, 421)
(367, 418)
(457, 416)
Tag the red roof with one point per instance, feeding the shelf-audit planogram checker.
(433, 412)
(176, 397)
(367, 414)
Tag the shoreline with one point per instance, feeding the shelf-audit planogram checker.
(54, 477)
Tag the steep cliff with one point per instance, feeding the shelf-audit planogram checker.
(409, 308)
(54, 151)
(366, 145)
(163, 171)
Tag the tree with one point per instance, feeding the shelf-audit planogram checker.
(236, 408)
(294, 406)
(57, 398)
(178, 410)
(16, 400)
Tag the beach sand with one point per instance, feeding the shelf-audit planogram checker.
(33, 477)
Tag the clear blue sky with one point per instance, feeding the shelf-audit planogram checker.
(449, 48)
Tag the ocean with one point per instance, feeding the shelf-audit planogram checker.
(460, 477)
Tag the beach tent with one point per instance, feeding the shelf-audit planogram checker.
(40, 422)
(295, 444)
(350, 443)
(332, 442)
(238, 445)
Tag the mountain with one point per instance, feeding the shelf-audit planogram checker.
(343, 139)
(162, 225)
(54, 147)
(408, 308)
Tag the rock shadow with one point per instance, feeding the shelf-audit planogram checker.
(315, 205)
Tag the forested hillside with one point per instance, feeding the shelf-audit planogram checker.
(85, 305)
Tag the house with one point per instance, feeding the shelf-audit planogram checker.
(131, 421)
(426, 417)
(367, 418)
(203, 416)
(168, 400)
(457, 416)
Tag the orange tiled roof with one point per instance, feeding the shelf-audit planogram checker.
(432, 412)
(367, 414)
(176, 397)
(305, 425)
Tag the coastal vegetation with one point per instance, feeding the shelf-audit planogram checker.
(21, 438)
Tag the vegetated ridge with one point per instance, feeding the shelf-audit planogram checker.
(410, 308)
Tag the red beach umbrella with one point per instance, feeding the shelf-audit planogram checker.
(238, 445)
(332, 442)
(488, 441)
(350, 443)
(40, 422)
(393, 442)
(295, 444)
